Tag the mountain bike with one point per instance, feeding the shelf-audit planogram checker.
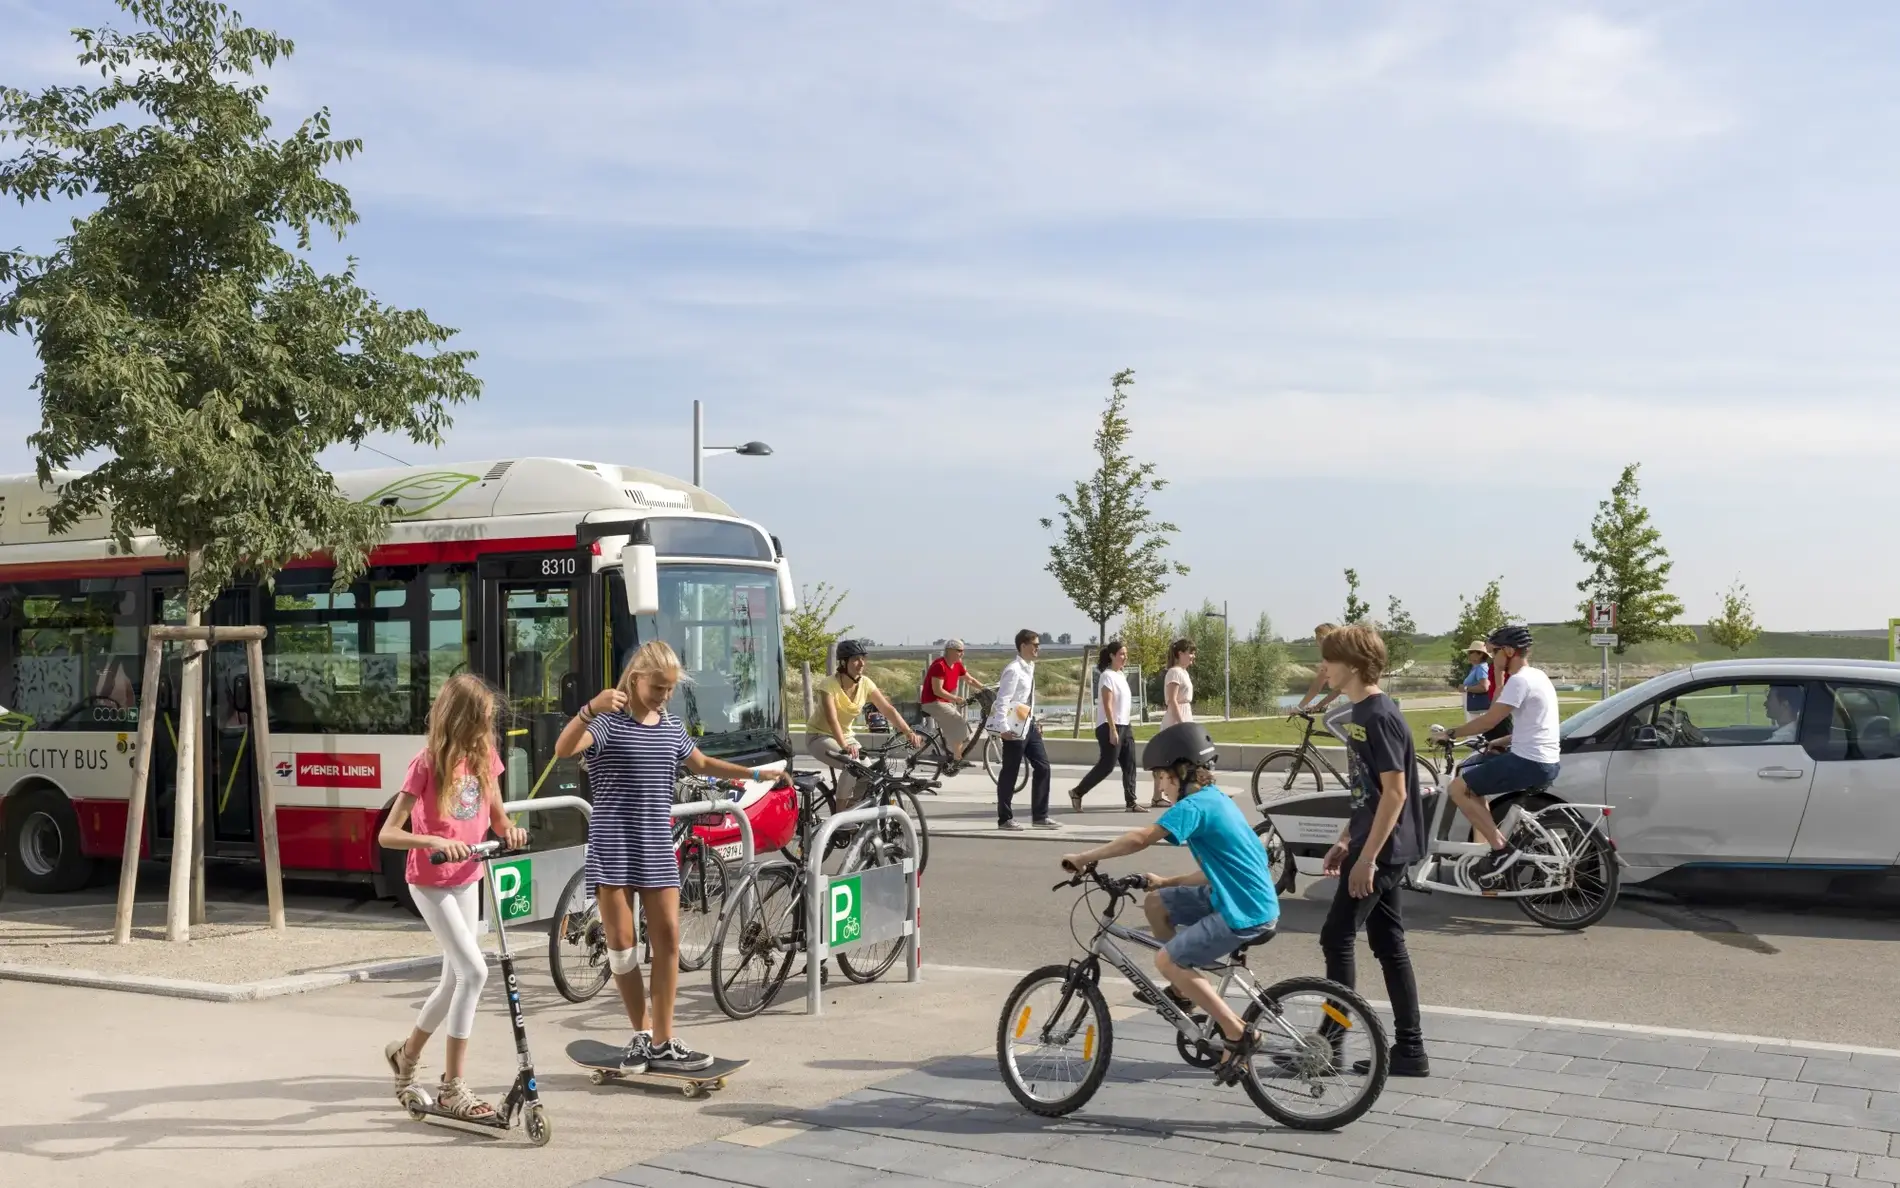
(890, 788)
(1321, 1063)
(577, 943)
(1291, 771)
(763, 931)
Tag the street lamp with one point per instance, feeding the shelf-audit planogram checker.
(751, 449)
(1226, 662)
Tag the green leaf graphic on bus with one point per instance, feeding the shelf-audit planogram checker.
(423, 492)
(19, 724)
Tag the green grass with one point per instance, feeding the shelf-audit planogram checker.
(1558, 644)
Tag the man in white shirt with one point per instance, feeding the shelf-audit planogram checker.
(1526, 758)
(1014, 720)
(1783, 706)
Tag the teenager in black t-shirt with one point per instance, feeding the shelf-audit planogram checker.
(1384, 834)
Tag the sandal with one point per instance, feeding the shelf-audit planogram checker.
(1237, 1057)
(401, 1065)
(454, 1099)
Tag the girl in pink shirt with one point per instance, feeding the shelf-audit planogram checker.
(449, 801)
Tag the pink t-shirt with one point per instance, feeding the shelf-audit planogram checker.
(467, 822)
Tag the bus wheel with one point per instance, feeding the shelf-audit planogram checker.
(43, 843)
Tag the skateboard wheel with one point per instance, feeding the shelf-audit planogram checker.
(720, 1083)
(597, 1077)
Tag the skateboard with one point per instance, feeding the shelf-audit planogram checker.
(604, 1062)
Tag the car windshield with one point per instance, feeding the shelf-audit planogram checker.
(1586, 720)
(724, 623)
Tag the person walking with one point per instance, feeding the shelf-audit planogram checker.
(1177, 696)
(450, 799)
(1013, 719)
(1112, 734)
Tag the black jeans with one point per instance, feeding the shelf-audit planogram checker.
(1015, 750)
(1382, 916)
(1121, 753)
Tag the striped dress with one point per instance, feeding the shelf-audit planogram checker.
(630, 772)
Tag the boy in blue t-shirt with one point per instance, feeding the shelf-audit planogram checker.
(1204, 916)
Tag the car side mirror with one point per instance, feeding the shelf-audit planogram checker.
(1645, 738)
(570, 693)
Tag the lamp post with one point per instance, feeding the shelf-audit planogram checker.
(751, 449)
(1226, 662)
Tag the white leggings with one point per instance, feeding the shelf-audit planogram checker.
(450, 914)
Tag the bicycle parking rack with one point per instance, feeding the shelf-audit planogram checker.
(859, 907)
(714, 807)
(541, 871)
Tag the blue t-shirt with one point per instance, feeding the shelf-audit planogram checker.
(1477, 689)
(1231, 857)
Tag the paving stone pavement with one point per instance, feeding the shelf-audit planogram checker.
(1509, 1105)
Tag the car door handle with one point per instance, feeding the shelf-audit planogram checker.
(1781, 773)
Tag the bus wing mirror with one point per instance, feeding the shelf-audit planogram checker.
(570, 693)
(787, 592)
(640, 569)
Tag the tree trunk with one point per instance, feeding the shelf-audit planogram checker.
(190, 727)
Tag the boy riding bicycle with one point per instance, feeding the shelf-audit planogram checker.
(1204, 916)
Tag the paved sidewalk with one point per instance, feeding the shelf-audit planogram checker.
(1514, 1105)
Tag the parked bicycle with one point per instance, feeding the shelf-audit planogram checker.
(1291, 771)
(577, 944)
(763, 932)
(891, 787)
(1321, 1063)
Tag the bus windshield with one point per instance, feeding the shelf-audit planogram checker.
(724, 623)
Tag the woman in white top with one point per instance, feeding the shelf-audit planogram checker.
(1112, 734)
(1177, 692)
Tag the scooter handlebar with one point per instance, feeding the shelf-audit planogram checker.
(487, 849)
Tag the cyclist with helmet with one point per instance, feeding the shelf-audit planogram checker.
(1228, 902)
(1525, 758)
(831, 730)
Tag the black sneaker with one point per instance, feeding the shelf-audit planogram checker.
(675, 1057)
(638, 1053)
(1401, 1064)
(1490, 868)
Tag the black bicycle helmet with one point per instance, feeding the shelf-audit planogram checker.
(1184, 742)
(850, 649)
(1512, 635)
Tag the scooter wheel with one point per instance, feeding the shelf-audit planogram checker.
(539, 1129)
(597, 1077)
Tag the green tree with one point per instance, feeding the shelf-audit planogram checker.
(1735, 627)
(1259, 665)
(1145, 630)
(808, 630)
(1630, 567)
(1477, 618)
(1210, 634)
(1357, 608)
(1110, 555)
(1399, 632)
(184, 338)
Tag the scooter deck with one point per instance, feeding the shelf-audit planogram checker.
(604, 1061)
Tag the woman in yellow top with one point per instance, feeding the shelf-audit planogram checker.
(830, 731)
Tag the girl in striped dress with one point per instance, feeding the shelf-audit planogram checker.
(634, 750)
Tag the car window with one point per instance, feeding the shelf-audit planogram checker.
(1586, 720)
(1756, 713)
(1861, 722)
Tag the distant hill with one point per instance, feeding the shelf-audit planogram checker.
(1559, 644)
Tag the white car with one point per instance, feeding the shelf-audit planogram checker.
(1777, 776)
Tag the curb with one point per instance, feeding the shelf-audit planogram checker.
(210, 991)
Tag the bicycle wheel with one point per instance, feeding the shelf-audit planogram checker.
(1427, 773)
(703, 885)
(1596, 877)
(757, 943)
(1283, 773)
(1315, 1038)
(928, 763)
(993, 764)
(884, 847)
(1279, 862)
(577, 944)
(1053, 1041)
(907, 800)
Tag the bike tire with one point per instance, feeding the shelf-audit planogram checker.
(1605, 883)
(928, 763)
(1014, 1023)
(1288, 771)
(757, 943)
(871, 961)
(1279, 863)
(993, 764)
(704, 878)
(907, 800)
(576, 931)
(1378, 1052)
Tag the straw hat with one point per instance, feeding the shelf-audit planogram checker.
(1479, 646)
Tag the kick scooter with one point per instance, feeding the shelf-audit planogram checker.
(523, 1102)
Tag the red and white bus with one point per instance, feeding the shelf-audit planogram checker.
(540, 574)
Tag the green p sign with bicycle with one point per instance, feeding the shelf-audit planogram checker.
(864, 907)
(514, 887)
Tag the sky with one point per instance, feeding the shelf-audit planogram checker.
(1404, 285)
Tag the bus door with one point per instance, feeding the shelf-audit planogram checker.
(230, 811)
(534, 651)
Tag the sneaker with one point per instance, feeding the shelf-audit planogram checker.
(638, 1053)
(675, 1057)
(1490, 868)
(1045, 824)
(1134, 806)
(1009, 826)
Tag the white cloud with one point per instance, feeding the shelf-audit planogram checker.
(1583, 73)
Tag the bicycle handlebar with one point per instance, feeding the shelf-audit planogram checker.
(1125, 885)
(487, 849)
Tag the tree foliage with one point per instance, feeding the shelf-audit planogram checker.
(1399, 632)
(1258, 662)
(1110, 555)
(1735, 627)
(182, 339)
(1630, 567)
(1357, 608)
(808, 630)
(1147, 632)
(1477, 618)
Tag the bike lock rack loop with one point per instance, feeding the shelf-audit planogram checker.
(816, 880)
